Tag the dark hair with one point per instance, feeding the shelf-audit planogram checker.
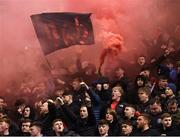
(3, 111)
(67, 92)
(141, 77)
(131, 106)
(144, 68)
(112, 112)
(37, 124)
(155, 100)
(26, 120)
(79, 79)
(59, 87)
(127, 122)
(83, 105)
(1, 97)
(145, 90)
(165, 115)
(172, 102)
(141, 55)
(163, 77)
(146, 116)
(119, 67)
(103, 80)
(103, 122)
(58, 119)
(44, 100)
(32, 113)
(20, 102)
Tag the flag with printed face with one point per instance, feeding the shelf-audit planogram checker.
(61, 30)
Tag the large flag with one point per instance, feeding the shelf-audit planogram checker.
(61, 30)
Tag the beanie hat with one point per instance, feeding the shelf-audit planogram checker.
(172, 86)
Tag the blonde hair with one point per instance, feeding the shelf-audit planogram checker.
(119, 88)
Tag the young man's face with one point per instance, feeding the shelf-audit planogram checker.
(141, 122)
(27, 112)
(155, 108)
(25, 127)
(35, 131)
(44, 108)
(141, 61)
(140, 82)
(76, 85)
(163, 83)
(142, 96)
(172, 108)
(3, 126)
(115, 94)
(99, 87)
(105, 86)
(67, 98)
(109, 117)
(167, 121)
(83, 112)
(129, 111)
(168, 92)
(119, 72)
(59, 93)
(103, 129)
(126, 129)
(58, 126)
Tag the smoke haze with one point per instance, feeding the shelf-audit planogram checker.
(20, 51)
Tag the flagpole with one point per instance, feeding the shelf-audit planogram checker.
(50, 66)
(49, 69)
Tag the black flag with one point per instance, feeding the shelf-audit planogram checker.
(61, 30)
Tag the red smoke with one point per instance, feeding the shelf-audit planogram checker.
(20, 51)
(113, 44)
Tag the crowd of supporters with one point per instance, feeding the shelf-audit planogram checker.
(140, 101)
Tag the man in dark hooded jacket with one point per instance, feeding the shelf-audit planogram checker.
(60, 130)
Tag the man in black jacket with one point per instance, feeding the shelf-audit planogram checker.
(144, 99)
(86, 124)
(68, 101)
(156, 111)
(143, 126)
(129, 114)
(167, 128)
(36, 129)
(25, 127)
(47, 115)
(60, 130)
(103, 128)
(126, 128)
